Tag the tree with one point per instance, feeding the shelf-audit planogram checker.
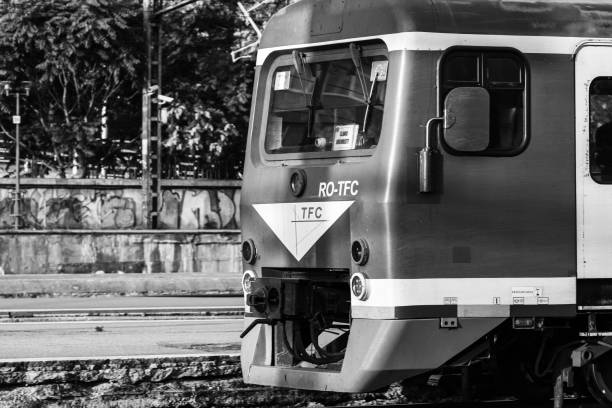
(210, 117)
(84, 58)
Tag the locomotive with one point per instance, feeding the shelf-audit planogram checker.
(427, 185)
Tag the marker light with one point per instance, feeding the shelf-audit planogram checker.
(297, 183)
(358, 286)
(249, 253)
(360, 252)
(248, 278)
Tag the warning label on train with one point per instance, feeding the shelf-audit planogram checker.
(300, 225)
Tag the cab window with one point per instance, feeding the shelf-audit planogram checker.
(503, 75)
(326, 103)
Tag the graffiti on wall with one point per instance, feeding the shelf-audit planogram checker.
(53, 208)
(59, 208)
(200, 209)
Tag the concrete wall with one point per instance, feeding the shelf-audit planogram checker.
(119, 253)
(200, 209)
(95, 227)
(117, 204)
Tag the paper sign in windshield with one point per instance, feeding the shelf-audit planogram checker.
(345, 137)
(282, 81)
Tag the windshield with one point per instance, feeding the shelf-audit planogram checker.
(324, 106)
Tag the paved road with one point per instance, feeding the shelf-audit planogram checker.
(20, 341)
(93, 302)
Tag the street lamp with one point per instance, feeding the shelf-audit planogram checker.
(9, 89)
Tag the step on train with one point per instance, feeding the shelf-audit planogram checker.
(428, 188)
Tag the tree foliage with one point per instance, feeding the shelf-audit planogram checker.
(213, 94)
(81, 56)
(87, 56)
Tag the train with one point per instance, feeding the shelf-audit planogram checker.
(428, 189)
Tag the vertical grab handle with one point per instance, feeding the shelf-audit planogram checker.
(426, 157)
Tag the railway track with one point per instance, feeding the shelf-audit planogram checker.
(96, 313)
(505, 403)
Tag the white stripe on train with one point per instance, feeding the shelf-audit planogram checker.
(473, 297)
(469, 291)
(424, 41)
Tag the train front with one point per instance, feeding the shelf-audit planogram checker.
(323, 204)
(310, 217)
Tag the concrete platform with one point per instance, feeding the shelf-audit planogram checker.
(120, 284)
(105, 307)
(108, 302)
(84, 340)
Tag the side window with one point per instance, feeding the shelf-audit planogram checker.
(600, 132)
(503, 75)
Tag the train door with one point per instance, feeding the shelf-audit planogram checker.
(594, 161)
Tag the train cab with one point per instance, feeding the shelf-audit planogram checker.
(425, 177)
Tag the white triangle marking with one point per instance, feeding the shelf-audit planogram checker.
(300, 225)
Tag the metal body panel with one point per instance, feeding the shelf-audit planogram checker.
(454, 311)
(503, 216)
(594, 218)
(469, 291)
(435, 41)
(363, 18)
(492, 216)
(496, 239)
(386, 351)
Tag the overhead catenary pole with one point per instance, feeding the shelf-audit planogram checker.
(156, 137)
(146, 118)
(17, 121)
(153, 12)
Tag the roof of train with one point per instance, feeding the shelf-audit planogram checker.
(310, 21)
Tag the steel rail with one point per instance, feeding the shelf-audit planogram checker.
(27, 315)
(133, 309)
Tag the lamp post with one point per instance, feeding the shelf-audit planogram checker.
(8, 89)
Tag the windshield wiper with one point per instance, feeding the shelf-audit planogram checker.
(366, 115)
(302, 68)
(356, 57)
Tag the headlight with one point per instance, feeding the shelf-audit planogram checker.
(249, 252)
(359, 286)
(247, 279)
(297, 183)
(360, 252)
